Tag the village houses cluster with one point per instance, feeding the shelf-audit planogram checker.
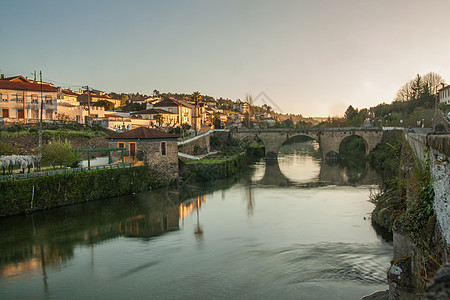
(22, 99)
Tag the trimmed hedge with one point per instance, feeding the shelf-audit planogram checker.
(16, 197)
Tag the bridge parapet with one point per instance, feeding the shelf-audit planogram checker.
(302, 130)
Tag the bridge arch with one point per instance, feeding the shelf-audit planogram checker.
(354, 141)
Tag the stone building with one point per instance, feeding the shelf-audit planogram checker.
(155, 148)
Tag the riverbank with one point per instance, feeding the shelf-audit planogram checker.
(220, 164)
(405, 207)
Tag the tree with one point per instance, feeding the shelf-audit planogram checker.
(159, 119)
(62, 117)
(59, 153)
(196, 97)
(249, 100)
(104, 103)
(216, 121)
(288, 123)
(134, 107)
(420, 87)
(433, 82)
(155, 93)
(350, 113)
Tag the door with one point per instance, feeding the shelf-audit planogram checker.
(5, 113)
(20, 114)
(132, 149)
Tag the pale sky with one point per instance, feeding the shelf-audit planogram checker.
(312, 57)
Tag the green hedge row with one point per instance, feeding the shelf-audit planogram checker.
(208, 171)
(17, 197)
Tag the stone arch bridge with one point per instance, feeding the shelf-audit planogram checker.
(329, 139)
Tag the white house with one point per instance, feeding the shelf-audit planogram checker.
(444, 95)
(21, 100)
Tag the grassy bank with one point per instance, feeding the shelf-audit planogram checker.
(52, 130)
(221, 165)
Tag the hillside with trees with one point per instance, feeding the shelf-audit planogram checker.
(413, 105)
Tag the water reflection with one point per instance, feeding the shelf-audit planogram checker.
(188, 207)
(30, 243)
(314, 172)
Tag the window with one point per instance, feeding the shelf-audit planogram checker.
(20, 114)
(120, 145)
(49, 114)
(5, 113)
(163, 149)
(34, 99)
(4, 97)
(48, 99)
(19, 97)
(35, 114)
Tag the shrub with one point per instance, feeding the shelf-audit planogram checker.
(6, 149)
(59, 153)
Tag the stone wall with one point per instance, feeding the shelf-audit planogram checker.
(196, 146)
(417, 142)
(440, 122)
(439, 151)
(149, 151)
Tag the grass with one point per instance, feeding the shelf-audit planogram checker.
(23, 132)
(207, 161)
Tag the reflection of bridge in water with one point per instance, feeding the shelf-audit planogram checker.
(330, 174)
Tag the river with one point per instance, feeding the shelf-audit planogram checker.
(292, 229)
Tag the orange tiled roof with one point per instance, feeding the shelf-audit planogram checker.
(143, 133)
(166, 103)
(152, 111)
(21, 84)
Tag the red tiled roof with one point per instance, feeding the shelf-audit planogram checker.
(152, 111)
(143, 133)
(166, 103)
(8, 84)
(69, 92)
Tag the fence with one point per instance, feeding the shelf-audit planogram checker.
(62, 171)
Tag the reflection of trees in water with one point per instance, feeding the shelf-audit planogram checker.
(308, 147)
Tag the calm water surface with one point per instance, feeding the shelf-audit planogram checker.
(295, 229)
